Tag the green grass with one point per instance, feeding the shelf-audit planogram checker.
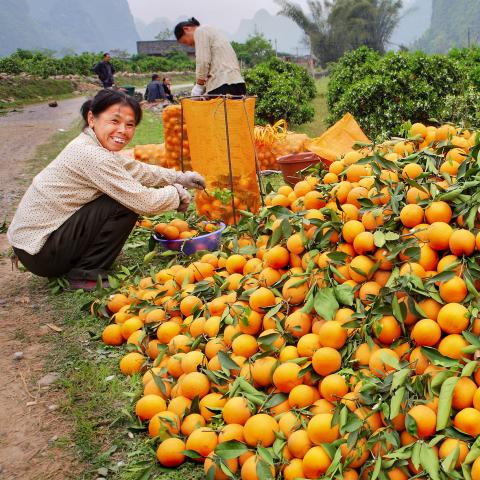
(142, 80)
(150, 129)
(318, 125)
(21, 91)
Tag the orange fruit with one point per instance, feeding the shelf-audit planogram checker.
(321, 430)
(468, 421)
(425, 419)
(276, 257)
(453, 318)
(462, 242)
(286, 376)
(203, 441)
(451, 444)
(326, 360)
(261, 299)
(147, 406)
(453, 290)
(411, 215)
(380, 359)
(112, 335)
(164, 423)
(132, 363)
(452, 345)
(316, 462)
(195, 384)
(389, 328)
(361, 268)
(438, 212)
(463, 393)
(236, 410)
(351, 229)
(439, 234)
(260, 429)
(170, 452)
(426, 333)
(364, 243)
(332, 334)
(333, 387)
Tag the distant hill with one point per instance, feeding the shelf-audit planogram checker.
(415, 21)
(450, 25)
(66, 25)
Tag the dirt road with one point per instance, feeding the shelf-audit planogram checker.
(30, 423)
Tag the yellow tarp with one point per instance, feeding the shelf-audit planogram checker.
(338, 139)
(207, 136)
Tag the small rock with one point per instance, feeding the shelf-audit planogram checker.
(18, 355)
(52, 408)
(100, 478)
(53, 104)
(3, 301)
(109, 378)
(120, 464)
(130, 435)
(48, 379)
(53, 439)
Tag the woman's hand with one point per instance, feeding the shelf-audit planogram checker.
(184, 196)
(191, 180)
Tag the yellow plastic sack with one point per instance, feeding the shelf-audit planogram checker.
(338, 139)
(207, 136)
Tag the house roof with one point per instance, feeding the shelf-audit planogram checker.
(161, 47)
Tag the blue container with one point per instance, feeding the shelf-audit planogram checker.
(188, 246)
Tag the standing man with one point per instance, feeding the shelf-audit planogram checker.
(217, 70)
(105, 71)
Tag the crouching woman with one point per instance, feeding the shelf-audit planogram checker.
(78, 212)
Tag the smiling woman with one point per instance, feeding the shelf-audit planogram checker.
(78, 212)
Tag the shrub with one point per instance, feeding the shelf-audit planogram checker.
(383, 92)
(284, 90)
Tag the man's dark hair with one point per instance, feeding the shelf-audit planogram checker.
(155, 76)
(179, 32)
(104, 99)
(105, 54)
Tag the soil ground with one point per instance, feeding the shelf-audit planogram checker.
(31, 428)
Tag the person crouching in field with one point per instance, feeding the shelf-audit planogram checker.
(78, 212)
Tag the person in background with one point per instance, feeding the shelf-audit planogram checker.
(105, 71)
(155, 90)
(217, 68)
(167, 87)
(78, 212)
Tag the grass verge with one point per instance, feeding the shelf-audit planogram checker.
(318, 125)
(22, 91)
(150, 129)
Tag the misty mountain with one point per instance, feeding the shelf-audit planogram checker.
(415, 21)
(148, 31)
(66, 25)
(451, 25)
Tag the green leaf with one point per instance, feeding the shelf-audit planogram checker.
(376, 470)
(265, 454)
(192, 454)
(429, 461)
(469, 368)
(226, 362)
(391, 236)
(438, 359)
(263, 470)
(344, 294)
(445, 402)
(390, 360)
(472, 339)
(379, 239)
(326, 304)
(230, 449)
(396, 402)
(399, 378)
(449, 462)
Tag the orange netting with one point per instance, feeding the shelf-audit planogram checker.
(154, 154)
(273, 141)
(172, 125)
(338, 139)
(227, 190)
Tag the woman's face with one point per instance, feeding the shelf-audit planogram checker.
(114, 127)
(187, 37)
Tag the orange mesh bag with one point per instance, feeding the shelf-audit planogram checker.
(172, 125)
(338, 139)
(273, 141)
(229, 189)
(154, 154)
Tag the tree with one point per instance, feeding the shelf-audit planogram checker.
(255, 50)
(165, 34)
(336, 26)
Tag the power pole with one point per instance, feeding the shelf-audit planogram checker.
(276, 49)
(468, 37)
(297, 55)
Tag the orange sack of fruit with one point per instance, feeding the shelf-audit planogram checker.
(172, 125)
(153, 154)
(207, 136)
(338, 139)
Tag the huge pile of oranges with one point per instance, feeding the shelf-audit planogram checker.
(152, 153)
(339, 341)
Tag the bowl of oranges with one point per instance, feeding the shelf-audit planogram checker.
(180, 236)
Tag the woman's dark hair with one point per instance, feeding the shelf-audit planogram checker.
(104, 99)
(192, 22)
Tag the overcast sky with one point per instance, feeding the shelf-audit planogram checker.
(225, 14)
